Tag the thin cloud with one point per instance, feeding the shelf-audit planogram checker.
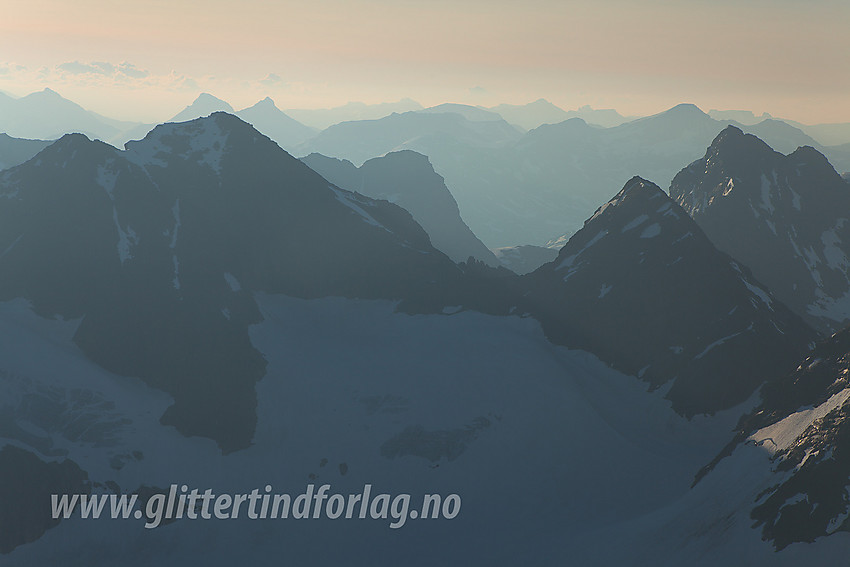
(8, 69)
(132, 71)
(271, 80)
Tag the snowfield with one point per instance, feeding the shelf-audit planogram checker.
(558, 459)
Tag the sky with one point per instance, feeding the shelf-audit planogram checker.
(147, 60)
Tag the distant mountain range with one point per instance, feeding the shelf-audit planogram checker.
(541, 111)
(555, 174)
(203, 308)
(408, 180)
(141, 273)
(501, 178)
(324, 118)
(15, 151)
(45, 115)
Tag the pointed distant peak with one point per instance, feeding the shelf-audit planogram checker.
(45, 94)
(266, 104)
(542, 103)
(686, 109)
(204, 105)
(638, 196)
(208, 98)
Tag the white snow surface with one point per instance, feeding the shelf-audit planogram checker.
(573, 456)
(651, 231)
(636, 222)
(232, 282)
(348, 200)
(126, 238)
(568, 261)
(781, 435)
(207, 144)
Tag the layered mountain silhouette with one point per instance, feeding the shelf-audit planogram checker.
(45, 115)
(316, 333)
(271, 121)
(202, 106)
(471, 113)
(325, 117)
(160, 248)
(431, 133)
(525, 258)
(784, 216)
(802, 424)
(641, 286)
(407, 179)
(15, 151)
(265, 116)
(517, 189)
(541, 111)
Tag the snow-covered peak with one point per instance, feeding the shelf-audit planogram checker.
(638, 196)
(691, 308)
(203, 140)
(783, 216)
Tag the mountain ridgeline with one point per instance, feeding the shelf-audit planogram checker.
(641, 286)
(786, 217)
(159, 249)
(292, 307)
(407, 179)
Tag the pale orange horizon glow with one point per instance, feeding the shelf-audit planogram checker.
(783, 57)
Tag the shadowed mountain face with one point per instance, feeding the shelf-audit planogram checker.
(25, 482)
(803, 424)
(15, 151)
(269, 310)
(159, 249)
(641, 286)
(407, 179)
(162, 247)
(784, 216)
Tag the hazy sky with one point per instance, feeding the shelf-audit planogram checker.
(146, 60)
